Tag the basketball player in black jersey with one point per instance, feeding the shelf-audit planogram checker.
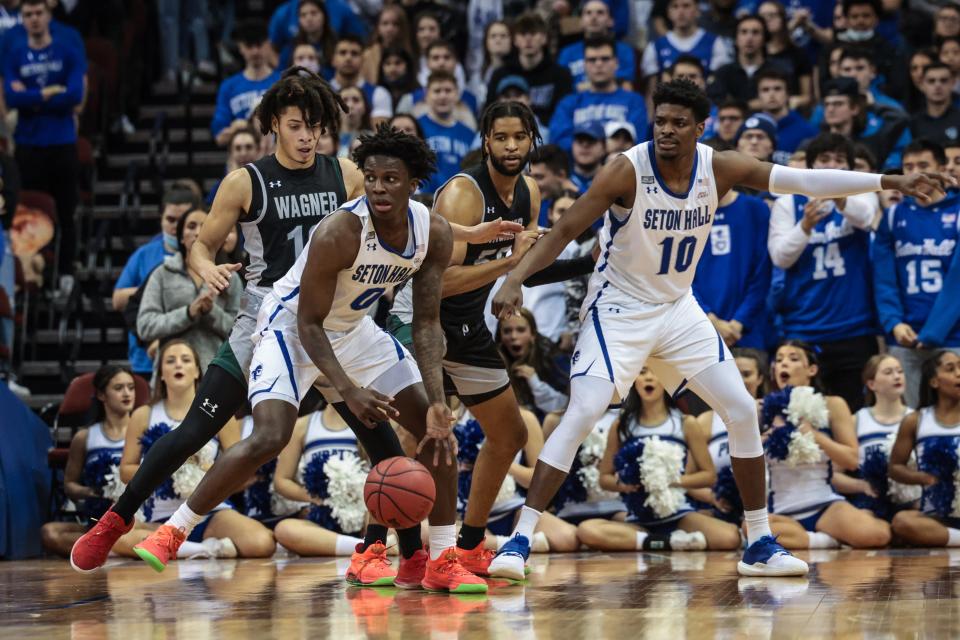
(473, 368)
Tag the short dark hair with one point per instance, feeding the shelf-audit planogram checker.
(864, 152)
(922, 145)
(685, 94)
(414, 152)
(771, 73)
(752, 16)
(441, 44)
(349, 37)
(827, 142)
(250, 131)
(936, 64)
(178, 196)
(693, 61)
(508, 109)
(529, 22)
(875, 4)
(305, 90)
(32, 2)
(733, 103)
(441, 76)
(856, 53)
(598, 41)
(553, 156)
(251, 33)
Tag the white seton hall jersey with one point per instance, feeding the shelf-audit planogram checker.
(376, 268)
(651, 251)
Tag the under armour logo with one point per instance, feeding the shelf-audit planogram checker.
(256, 373)
(208, 407)
(491, 209)
(274, 184)
(652, 190)
(371, 246)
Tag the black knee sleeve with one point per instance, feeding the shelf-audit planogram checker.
(380, 442)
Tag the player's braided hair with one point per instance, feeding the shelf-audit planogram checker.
(508, 109)
(301, 88)
(419, 158)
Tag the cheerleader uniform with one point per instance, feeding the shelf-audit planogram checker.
(159, 508)
(319, 440)
(802, 492)
(719, 447)
(871, 436)
(259, 498)
(100, 450)
(933, 438)
(670, 430)
(577, 512)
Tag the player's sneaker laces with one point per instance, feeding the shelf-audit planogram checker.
(511, 559)
(477, 560)
(412, 570)
(447, 574)
(767, 557)
(160, 547)
(371, 568)
(90, 551)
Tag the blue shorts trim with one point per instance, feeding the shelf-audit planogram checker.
(197, 534)
(810, 520)
(664, 527)
(603, 343)
(286, 358)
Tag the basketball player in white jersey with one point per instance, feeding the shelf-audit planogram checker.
(661, 197)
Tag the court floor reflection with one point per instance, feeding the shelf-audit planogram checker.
(850, 594)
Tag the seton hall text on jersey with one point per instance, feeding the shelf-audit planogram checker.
(382, 273)
(676, 219)
(306, 205)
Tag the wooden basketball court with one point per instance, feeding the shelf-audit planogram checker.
(849, 594)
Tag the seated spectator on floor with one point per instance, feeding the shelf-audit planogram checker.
(177, 303)
(441, 56)
(346, 73)
(239, 94)
(602, 102)
(313, 29)
(141, 264)
(91, 478)
(596, 22)
(243, 148)
(449, 139)
(939, 119)
(792, 128)
(538, 371)
(916, 270)
(730, 117)
(589, 152)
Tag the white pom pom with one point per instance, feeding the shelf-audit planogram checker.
(186, 479)
(803, 449)
(661, 464)
(806, 405)
(281, 506)
(507, 490)
(955, 511)
(901, 493)
(113, 487)
(591, 452)
(345, 479)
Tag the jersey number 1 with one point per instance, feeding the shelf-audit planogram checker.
(685, 250)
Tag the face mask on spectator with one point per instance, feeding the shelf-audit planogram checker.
(170, 242)
(853, 35)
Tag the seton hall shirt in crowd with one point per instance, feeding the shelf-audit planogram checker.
(451, 143)
(238, 97)
(588, 107)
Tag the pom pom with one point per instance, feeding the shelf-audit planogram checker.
(582, 483)
(940, 459)
(147, 440)
(186, 478)
(507, 490)
(794, 405)
(725, 490)
(346, 476)
(875, 470)
(661, 466)
(775, 404)
(803, 449)
(470, 438)
(806, 405)
(258, 497)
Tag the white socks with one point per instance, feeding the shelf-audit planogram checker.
(185, 519)
(758, 524)
(189, 549)
(953, 537)
(527, 522)
(442, 538)
(820, 540)
(346, 545)
(641, 537)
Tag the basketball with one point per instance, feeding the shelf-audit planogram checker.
(399, 492)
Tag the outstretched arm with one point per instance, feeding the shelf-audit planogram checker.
(232, 200)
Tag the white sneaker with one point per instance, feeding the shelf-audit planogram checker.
(510, 561)
(216, 548)
(687, 541)
(767, 557)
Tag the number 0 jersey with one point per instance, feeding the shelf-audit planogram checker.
(376, 268)
(651, 251)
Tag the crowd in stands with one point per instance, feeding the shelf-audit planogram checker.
(808, 292)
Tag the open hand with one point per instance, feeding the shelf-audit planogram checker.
(925, 186)
(217, 276)
(493, 230)
(370, 407)
(440, 430)
(508, 301)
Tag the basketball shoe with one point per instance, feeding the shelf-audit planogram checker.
(476, 560)
(510, 561)
(370, 568)
(767, 557)
(90, 551)
(447, 574)
(412, 570)
(160, 547)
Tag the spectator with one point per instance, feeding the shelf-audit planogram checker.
(948, 52)
(550, 169)
(347, 56)
(539, 378)
(355, 121)
(792, 128)
(497, 46)
(408, 124)
(314, 29)
(862, 18)
(952, 152)
(603, 102)
(856, 63)
(916, 271)
(758, 137)
(737, 78)
(240, 93)
(9, 196)
(688, 67)
(392, 32)
(441, 56)
(243, 148)
(9, 15)
(597, 23)
(621, 136)
(914, 100)
(398, 75)
(939, 119)
(549, 82)
(141, 264)
(684, 37)
(426, 28)
(448, 138)
(175, 19)
(720, 18)
(285, 21)
(305, 55)
(733, 276)
(791, 59)
(946, 22)
(589, 151)
(43, 80)
(177, 304)
(822, 291)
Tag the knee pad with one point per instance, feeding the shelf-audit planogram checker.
(588, 401)
(739, 414)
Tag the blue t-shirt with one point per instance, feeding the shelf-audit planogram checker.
(9, 18)
(590, 107)
(141, 264)
(44, 122)
(16, 36)
(733, 276)
(450, 143)
(572, 57)
(238, 97)
(793, 129)
(667, 53)
(284, 23)
(916, 272)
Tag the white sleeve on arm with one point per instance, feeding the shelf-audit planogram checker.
(786, 240)
(822, 183)
(861, 210)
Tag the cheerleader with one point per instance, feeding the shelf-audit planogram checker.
(876, 424)
(315, 531)
(933, 430)
(92, 474)
(723, 500)
(647, 412)
(224, 533)
(809, 514)
(260, 499)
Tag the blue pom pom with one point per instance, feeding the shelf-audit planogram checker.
(257, 497)
(147, 440)
(469, 438)
(314, 479)
(95, 472)
(939, 459)
(777, 445)
(874, 471)
(627, 465)
(726, 489)
(775, 404)
(323, 516)
(572, 490)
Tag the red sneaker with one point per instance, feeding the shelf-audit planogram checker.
(371, 568)
(160, 547)
(477, 560)
(412, 570)
(90, 551)
(447, 574)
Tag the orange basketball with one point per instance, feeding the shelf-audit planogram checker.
(399, 492)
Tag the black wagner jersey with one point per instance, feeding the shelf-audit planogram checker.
(286, 204)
